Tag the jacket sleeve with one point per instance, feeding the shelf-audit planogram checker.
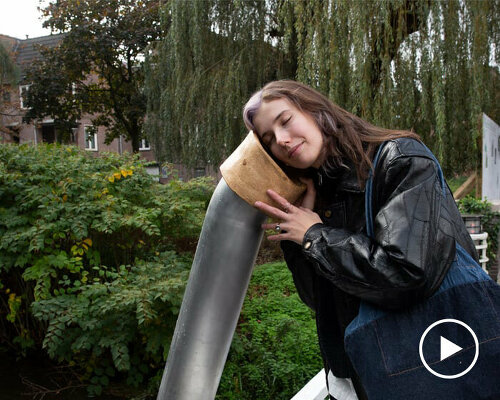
(412, 246)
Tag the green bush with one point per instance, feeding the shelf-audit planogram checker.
(89, 257)
(275, 350)
(490, 221)
(123, 323)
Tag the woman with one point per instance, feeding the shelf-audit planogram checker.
(334, 263)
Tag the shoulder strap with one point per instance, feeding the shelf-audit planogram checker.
(369, 187)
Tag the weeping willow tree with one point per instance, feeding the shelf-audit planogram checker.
(420, 65)
(9, 75)
(214, 55)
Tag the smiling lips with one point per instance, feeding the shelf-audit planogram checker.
(294, 149)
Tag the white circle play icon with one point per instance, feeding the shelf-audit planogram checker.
(449, 348)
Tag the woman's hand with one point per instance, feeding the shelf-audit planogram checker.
(295, 221)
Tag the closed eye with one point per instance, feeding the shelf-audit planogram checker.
(284, 123)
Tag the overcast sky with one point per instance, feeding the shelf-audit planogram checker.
(19, 18)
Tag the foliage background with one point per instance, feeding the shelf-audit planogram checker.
(275, 350)
(409, 64)
(91, 266)
(9, 75)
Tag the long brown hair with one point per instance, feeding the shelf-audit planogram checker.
(345, 134)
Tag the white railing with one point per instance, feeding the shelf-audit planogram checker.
(315, 389)
(481, 244)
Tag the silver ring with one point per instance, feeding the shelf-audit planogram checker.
(277, 228)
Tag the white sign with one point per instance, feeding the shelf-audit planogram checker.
(491, 160)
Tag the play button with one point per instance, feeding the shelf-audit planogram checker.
(450, 346)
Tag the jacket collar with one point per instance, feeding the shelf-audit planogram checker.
(343, 178)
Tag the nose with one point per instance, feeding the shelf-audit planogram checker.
(282, 137)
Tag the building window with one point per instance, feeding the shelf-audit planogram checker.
(199, 172)
(73, 135)
(144, 145)
(23, 91)
(90, 137)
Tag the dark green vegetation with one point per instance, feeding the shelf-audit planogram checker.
(8, 71)
(9, 75)
(275, 349)
(90, 261)
(409, 64)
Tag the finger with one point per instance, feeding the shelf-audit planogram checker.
(272, 226)
(284, 203)
(270, 210)
(277, 238)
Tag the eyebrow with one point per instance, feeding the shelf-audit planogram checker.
(275, 119)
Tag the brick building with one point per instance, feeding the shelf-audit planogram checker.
(24, 53)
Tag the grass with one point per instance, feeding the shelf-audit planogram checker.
(456, 182)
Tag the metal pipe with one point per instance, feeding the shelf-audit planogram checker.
(222, 266)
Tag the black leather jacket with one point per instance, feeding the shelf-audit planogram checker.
(415, 230)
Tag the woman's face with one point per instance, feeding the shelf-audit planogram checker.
(292, 135)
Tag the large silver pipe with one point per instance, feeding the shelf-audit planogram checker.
(222, 266)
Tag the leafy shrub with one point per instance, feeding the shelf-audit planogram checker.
(275, 350)
(490, 221)
(124, 322)
(91, 245)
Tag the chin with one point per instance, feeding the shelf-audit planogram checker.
(301, 164)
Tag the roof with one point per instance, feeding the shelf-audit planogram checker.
(26, 50)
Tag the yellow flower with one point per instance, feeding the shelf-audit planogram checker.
(117, 175)
(126, 172)
(88, 241)
(111, 179)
